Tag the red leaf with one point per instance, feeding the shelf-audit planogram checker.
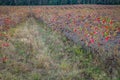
(5, 44)
(104, 21)
(75, 30)
(4, 59)
(92, 40)
(107, 38)
(98, 19)
(111, 22)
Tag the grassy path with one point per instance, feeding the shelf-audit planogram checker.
(39, 54)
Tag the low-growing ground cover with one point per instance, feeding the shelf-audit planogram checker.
(35, 52)
(94, 27)
(60, 42)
